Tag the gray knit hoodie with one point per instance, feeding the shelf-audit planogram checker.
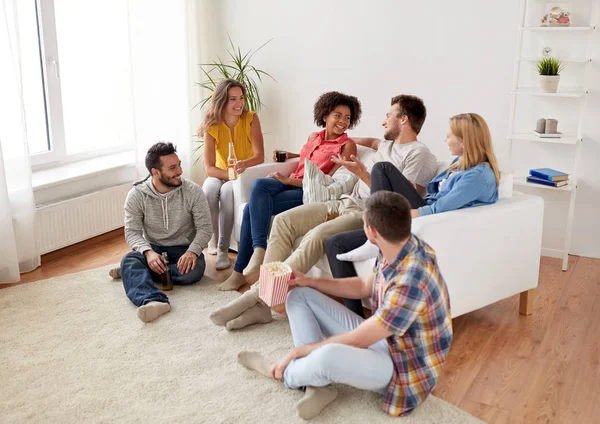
(178, 218)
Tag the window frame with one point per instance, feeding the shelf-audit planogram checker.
(50, 69)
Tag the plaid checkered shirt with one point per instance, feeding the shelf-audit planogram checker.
(412, 302)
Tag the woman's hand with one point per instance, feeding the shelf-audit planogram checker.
(275, 155)
(239, 167)
(279, 177)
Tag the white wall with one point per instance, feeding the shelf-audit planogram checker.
(458, 56)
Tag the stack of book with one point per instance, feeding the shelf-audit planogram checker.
(548, 176)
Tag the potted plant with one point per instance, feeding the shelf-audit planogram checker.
(238, 68)
(549, 69)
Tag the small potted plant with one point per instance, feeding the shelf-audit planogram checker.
(549, 69)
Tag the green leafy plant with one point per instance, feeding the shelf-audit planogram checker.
(549, 66)
(238, 67)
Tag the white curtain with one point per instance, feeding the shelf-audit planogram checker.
(18, 247)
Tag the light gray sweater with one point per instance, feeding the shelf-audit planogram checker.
(178, 218)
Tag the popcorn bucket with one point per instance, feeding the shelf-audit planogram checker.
(274, 278)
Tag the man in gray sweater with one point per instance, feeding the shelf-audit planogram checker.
(163, 213)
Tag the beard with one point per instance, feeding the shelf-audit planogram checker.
(170, 181)
(391, 134)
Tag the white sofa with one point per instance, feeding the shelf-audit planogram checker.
(485, 254)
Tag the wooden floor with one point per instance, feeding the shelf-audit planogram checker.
(503, 367)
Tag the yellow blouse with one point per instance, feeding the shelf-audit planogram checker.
(242, 142)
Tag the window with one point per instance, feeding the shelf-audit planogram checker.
(77, 79)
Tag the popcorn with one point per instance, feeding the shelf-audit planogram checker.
(274, 278)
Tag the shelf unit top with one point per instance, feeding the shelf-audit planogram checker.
(557, 28)
(522, 182)
(536, 59)
(565, 139)
(534, 91)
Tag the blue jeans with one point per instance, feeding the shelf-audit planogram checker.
(268, 197)
(138, 279)
(314, 316)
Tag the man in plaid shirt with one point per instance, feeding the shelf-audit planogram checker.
(399, 351)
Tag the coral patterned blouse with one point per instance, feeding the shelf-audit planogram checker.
(319, 151)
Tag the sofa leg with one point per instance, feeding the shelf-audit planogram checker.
(526, 302)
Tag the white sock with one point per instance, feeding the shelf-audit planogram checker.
(152, 310)
(361, 253)
(212, 245)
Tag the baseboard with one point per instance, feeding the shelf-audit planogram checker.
(552, 253)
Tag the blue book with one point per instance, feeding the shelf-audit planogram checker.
(544, 181)
(549, 174)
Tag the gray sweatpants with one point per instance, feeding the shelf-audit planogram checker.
(219, 195)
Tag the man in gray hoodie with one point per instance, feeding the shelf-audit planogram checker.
(163, 213)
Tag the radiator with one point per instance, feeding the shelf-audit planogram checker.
(71, 221)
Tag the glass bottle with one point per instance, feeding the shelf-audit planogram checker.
(231, 161)
(166, 278)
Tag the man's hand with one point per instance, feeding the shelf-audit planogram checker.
(299, 352)
(279, 177)
(155, 261)
(187, 262)
(299, 280)
(353, 165)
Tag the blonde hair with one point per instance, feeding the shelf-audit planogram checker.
(219, 100)
(474, 132)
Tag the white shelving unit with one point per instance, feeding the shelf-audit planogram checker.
(578, 93)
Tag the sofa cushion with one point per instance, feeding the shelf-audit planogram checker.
(319, 187)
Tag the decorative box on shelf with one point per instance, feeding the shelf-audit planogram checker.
(557, 17)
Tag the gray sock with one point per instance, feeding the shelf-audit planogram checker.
(256, 362)
(223, 261)
(115, 273)
(257, 314)
(256, 261)
(233, 309)
(234, 282)
(314, 401)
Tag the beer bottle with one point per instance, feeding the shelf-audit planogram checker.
(166, 277)
(231, 161)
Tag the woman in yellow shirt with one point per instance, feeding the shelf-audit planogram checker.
(227, 120)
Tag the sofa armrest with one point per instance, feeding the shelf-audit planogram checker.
(487, 253)
(243, 184)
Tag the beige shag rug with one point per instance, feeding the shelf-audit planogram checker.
(72, 350)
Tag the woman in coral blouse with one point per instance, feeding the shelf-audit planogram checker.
(226, 121)
(334, 111)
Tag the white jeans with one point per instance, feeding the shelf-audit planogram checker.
(314, 316)
(219, 195)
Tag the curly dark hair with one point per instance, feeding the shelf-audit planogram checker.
(327, 102)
